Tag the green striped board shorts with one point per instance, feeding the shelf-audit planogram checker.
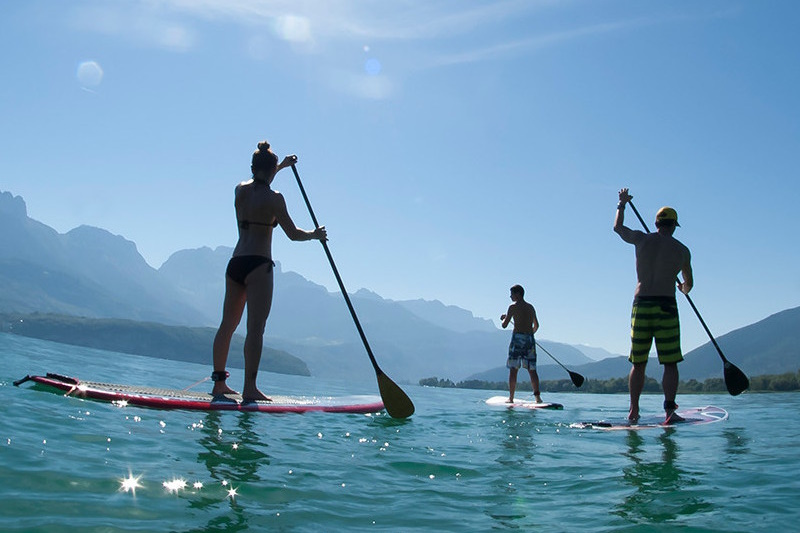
(655, 317)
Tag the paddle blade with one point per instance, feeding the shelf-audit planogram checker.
(735, 380)
(397, 402)
(577, 379)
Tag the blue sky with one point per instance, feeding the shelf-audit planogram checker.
(451, 148)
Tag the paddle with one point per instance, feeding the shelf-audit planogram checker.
(576, 378)
(735, 380)
(397, 402)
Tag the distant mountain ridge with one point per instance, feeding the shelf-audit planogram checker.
(91, 273)
(86, 271)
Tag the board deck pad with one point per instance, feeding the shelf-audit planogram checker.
(524, 404)
(692, 417)
(164, 398)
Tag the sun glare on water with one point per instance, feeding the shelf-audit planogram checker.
(175, 485)
(130, 484)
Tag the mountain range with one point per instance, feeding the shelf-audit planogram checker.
(89, 272)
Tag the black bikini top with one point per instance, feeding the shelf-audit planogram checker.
(245, 224)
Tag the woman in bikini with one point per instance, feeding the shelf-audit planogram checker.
(248, 278)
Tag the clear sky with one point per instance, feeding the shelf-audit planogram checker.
(451, 148)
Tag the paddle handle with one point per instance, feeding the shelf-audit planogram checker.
(688, 298)
(336, 274)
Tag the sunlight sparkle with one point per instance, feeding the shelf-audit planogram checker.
(130, 483)
(175, 485)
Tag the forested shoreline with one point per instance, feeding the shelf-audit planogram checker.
(787, 382)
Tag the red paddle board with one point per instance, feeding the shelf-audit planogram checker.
(158, 398)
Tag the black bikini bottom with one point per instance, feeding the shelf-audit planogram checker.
(240, 266)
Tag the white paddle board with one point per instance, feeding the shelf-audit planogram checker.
(502, 401)
(691, 417)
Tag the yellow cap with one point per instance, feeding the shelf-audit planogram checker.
(667, 213)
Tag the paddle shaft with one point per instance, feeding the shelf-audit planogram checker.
(338, 277)
(688, 298)
(576, 378)
(551, 356)
(396, 401)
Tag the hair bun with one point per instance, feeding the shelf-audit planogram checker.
(263, 145)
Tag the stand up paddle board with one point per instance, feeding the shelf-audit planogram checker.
(502, 401)
(691, 417)
(157, 398)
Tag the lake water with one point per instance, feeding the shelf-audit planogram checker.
(456, 465)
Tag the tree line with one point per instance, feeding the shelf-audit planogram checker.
(787, 382)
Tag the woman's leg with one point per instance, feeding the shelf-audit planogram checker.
(259, 302)
(232, 310)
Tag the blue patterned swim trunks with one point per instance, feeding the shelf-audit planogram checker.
(522, 351)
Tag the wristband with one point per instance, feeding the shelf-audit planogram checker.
(621, 205)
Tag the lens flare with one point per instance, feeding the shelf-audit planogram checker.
(372, 67)
(89, 74)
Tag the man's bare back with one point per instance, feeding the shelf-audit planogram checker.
(660, 257)
(524, 317)
(523, 314)
(659, 260)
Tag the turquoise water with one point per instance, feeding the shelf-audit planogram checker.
(456, 465)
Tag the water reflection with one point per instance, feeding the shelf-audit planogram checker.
(516, 437)
(233, 460)
(737, 442)
(517, 441)
(235, 456)
(662, 489)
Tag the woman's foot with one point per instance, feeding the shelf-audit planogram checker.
(254, 395)
(221, 389)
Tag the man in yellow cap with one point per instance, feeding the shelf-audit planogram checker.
(659, 259)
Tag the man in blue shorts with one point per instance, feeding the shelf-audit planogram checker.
(659, 259)
(522, 350)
